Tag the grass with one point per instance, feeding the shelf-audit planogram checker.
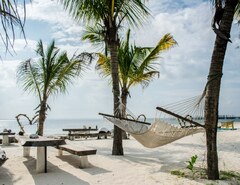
(229, 175)
(200, 173)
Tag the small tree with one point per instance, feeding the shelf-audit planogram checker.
(137, 65)
(50, 75)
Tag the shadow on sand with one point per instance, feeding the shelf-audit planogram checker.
(74, 161)
(6, 177)
(53, 176)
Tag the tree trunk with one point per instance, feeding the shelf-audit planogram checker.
(124, 95)
(213, 90)
(42, 116)
(113, 46)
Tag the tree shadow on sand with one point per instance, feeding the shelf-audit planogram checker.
(53, 176)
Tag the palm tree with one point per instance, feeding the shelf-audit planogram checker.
(223, 18)
(10, 17)
(137, 65)
(50, 75)
(111, 14)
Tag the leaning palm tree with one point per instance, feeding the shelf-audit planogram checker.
(137, 65)
(110, 14)
(10, 17)
(50, 75)
(222, 23)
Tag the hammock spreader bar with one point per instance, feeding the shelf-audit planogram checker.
(121, 118)
(180, 117)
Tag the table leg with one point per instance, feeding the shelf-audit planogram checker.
(5, 140)
(41, 159)
(84, 162)
(26, 151)
(45, 150)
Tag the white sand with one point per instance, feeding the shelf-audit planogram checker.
(139, 165)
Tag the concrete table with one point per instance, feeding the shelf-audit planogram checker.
(41, 143)
(5, 140)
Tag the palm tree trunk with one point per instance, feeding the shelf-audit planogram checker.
(213, 90)
(124, 95)
(113, 46)
(42, 116)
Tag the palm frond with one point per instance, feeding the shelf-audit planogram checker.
(96, 35)
(52, 73)
(104, 65)
(10, 17)
(166, 43)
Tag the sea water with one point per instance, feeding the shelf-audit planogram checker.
(55, 126)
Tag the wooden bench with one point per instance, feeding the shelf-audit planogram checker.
(81, 151)
(227, 125)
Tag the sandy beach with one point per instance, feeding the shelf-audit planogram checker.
(138, 166)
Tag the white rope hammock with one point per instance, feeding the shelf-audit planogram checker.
(158, 134)
(187, 113)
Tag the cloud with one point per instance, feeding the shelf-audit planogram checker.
(62, 25)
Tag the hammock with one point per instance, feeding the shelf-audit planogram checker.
(160, 132)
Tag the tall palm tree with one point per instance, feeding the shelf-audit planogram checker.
(50, 75)
(137, 65)
(111, 14)
(10, 17)
(222, 24)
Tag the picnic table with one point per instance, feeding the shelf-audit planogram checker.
(81, 132)
(41, 143)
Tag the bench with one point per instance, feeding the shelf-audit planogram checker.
(81, 151)
(227, 125)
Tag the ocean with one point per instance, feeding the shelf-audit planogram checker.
(55, 126)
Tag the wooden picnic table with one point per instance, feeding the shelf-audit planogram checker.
(41, 143)
(80, 132)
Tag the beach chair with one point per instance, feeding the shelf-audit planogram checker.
(227, 125)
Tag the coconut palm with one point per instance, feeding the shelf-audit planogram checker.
(10, 17)
(110, 14)
(50, 75)
(137, 65)
(222, 24)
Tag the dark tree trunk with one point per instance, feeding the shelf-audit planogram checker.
(213, 90)
(113, 46)
(42, 116)
(124, 95)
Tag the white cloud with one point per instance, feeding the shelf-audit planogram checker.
(52, 12)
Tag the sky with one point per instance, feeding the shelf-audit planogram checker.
(183, 69)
